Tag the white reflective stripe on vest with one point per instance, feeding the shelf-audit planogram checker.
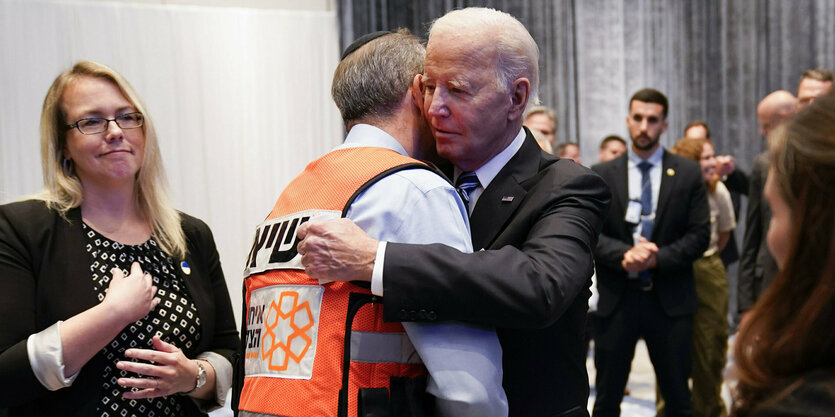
(371, 347)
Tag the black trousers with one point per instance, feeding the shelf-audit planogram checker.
(639, 315)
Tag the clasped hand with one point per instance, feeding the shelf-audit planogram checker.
(336, 250)
(169, 371)
(640, 257)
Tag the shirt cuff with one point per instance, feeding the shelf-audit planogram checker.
(223, 381)
(377, 272)
(46, 357)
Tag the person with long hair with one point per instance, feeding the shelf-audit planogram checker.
(785, 350)
(111, 301)
(710, 328)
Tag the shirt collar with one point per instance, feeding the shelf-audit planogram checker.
(489, 170)
(367, 135)
(653, 159)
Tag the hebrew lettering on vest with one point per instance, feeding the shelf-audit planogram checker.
(275, 241)
(286, 250)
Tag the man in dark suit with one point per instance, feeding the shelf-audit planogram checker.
(658, 224)
(756, 266)
(537, 218)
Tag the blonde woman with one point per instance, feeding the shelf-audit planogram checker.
(112, 303)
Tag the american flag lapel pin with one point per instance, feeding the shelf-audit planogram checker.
(507, 199)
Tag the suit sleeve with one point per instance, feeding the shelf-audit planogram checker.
(738, 182)
(690, 246)
(225, 336)
(747, 281)
(609, 251)
(18, 289)
(526, 286)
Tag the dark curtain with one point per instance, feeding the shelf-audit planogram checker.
(714, 59)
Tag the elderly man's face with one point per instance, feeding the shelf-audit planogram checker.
(465, 106)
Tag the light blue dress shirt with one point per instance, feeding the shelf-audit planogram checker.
(418, 206)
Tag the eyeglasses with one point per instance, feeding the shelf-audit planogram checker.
(93, 125)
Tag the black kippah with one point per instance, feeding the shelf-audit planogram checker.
(362, 40)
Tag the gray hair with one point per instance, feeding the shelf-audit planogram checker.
(371, 81)
(517, 52)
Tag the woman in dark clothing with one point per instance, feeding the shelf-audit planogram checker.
(112, 303)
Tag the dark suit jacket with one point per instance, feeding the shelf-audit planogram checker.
(681, 231)
(539, 218)
(45, 277)
(757, 267)
(738, 184)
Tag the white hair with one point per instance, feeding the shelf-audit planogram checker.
(517, 52)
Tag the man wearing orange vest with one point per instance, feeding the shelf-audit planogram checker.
(316, 348)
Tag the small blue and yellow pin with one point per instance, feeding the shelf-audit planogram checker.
(186, 269)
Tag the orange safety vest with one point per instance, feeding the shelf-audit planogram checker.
(316, 349)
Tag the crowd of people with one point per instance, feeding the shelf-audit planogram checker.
(377, 287)
(708, 294)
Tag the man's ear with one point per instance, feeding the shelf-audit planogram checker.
(520, 91)
(417, 87)
(417, 91)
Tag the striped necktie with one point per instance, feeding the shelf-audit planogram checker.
(465, 184)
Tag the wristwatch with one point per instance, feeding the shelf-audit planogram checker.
(201, 377)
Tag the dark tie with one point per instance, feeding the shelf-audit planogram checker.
(646, 200)
(646, 212)
(465, 184)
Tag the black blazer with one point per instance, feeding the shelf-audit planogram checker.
(45, 277)
(539, 218)
(757, 268)
(681, 231)
(737, 184)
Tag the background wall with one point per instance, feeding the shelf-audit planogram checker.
(714, 59)
(239, 89)
(240, 96)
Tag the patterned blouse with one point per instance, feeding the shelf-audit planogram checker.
(175, 320)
